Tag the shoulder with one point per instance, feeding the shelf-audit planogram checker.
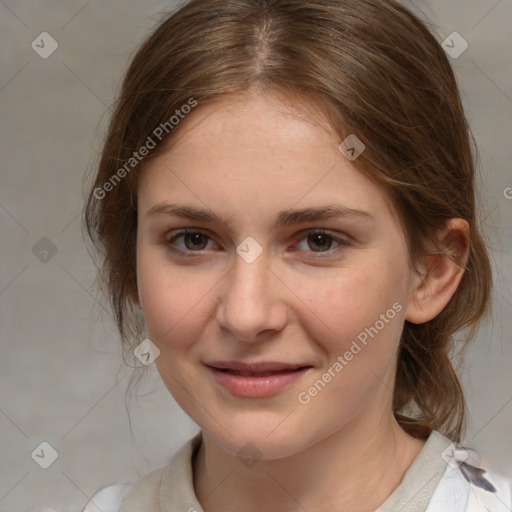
(107, 499)
(468, 486)
(146, 493)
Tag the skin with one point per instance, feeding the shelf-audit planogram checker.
(246, 159)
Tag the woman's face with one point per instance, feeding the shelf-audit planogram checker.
(260, 286)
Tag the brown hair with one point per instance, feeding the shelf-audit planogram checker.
(373, 69)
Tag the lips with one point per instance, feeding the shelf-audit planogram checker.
(252, 374)
(260, 369)
(256, 380)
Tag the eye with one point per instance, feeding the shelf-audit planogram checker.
(193, 240)
(323, 241)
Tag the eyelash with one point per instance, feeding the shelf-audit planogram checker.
(343, 242)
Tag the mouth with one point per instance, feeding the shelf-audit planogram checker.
(261, 369)
(257, 379)
(259, 374)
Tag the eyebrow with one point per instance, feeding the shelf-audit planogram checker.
(283, 218)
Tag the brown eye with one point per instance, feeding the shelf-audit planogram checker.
(192, 241)
(322, 242)
(195, 240)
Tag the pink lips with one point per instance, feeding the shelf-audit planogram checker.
(256, 379)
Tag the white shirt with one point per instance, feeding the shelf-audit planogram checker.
(442, 478)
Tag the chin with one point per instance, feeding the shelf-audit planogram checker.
(249, 441)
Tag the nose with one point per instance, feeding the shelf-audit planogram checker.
(252, 301)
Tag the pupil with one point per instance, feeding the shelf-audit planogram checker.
(319, 238)
(195, 238)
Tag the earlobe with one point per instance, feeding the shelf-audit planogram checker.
(443, 272)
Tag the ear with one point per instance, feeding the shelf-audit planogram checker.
(431, 292)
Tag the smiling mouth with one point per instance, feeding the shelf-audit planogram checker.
(260, 380)
(260, 374)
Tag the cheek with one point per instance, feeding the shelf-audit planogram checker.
(176, 304)
(365, 315)
(340, 306)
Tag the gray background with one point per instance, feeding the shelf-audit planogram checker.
(62, 379)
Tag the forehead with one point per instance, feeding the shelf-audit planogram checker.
(255, 152)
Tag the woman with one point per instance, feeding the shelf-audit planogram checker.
(286, 196)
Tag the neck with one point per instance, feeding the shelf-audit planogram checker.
(355, 468)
